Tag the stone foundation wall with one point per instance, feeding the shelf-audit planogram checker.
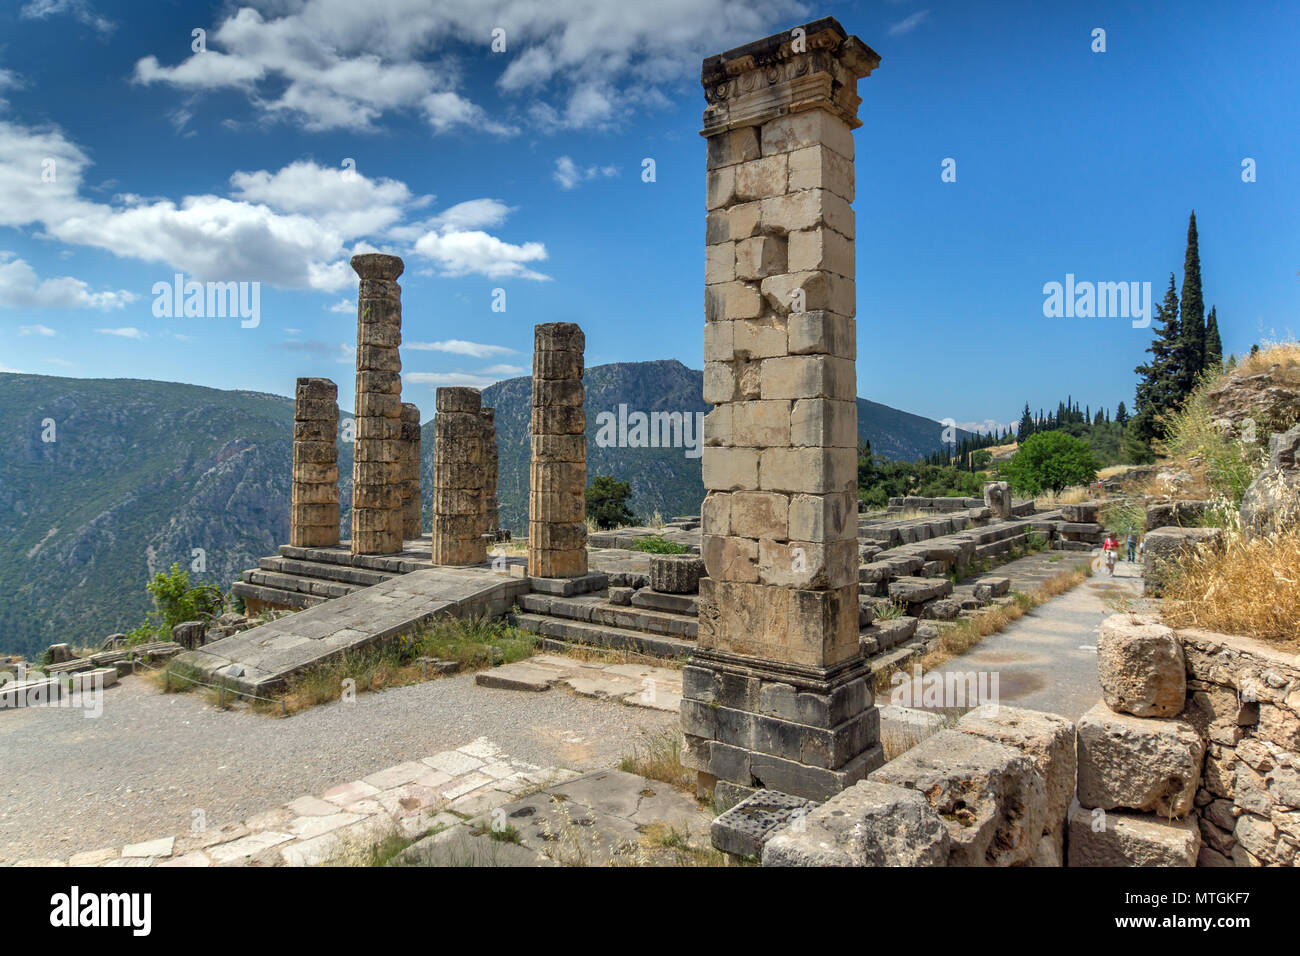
(1243, 697)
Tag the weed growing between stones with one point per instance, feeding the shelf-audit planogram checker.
(656, 544)
(661, 759)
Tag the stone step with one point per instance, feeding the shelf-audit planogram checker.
(604, 635)
(393, 563)
(291, 582)
(269, 595)
(596, 609)
(672, 603)
(325, 571)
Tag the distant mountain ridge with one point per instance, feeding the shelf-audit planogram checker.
(140, 474)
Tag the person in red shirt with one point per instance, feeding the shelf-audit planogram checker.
(1110, 549)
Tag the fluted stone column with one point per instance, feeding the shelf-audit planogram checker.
(491, 522)
(376, 497)
(458, 459)
(557, 474)
(778, 692)
(410, 468)
(314, 512)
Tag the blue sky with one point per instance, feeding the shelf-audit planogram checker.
(522, 170)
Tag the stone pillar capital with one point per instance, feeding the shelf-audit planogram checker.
(815, 66)
(377, 265)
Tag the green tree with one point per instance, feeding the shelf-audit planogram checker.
(1051, 461)
(1213, 343)
(1158, 392)
(173, 598)
(1191, 325)
(607, 502)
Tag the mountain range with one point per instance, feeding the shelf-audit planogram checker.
(105, 481)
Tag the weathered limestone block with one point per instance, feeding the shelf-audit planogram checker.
(675, 573)
(747, 826)
(997, 498)
(1272, 502)
(1164, 546)
(1174, 514)
(1141, 667)
(1138, 763)
(1114, 838)
(1047, 739)
(869, 824)
(1083, 512)
(990, 797)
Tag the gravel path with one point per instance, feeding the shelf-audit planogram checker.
(142, 768)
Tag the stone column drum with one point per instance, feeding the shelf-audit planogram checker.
(410, 483)
(376, 499)
(778, 693)
(458, 458)
(557, 474)
(314, 512)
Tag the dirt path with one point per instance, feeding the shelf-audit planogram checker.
(1047, 660)
(151, 760)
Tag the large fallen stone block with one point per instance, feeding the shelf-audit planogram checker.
(990, 797)
(1138, 763)
(1141, 667)
(746, 827)
(1164, 547)
(869, 824)
(1113, 838)
(676, 573)
(1046, 739)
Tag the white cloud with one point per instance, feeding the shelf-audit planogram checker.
(61, 362)
(293, 228)
(338, 64)
(20, 288)
(476, 252)
(908, 24)
(459, 347)
(11, 371)
(504, 370)
(79, 10)
(569, 175)
(36, 330)
(125, 333)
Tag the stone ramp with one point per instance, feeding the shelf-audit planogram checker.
(260, 659)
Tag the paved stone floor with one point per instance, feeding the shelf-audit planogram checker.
(154, 761)
(1047, 660)
(637, 685)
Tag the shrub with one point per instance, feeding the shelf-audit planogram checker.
(607, 502)
(656, 544)
(1051, 461)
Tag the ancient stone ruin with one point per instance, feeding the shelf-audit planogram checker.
(314, 511)
(776, 694)
(557, 475)
(459, 456)
(409, 483)
(377, 520)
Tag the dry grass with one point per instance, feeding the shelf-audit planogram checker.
(956, 639)
(1271, 353)
(1049, 500)
(1251, 588)
(661, 759)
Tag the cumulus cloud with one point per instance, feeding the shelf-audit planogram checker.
(21, 288)
(569, 175)
(332, 64)
(293, 228)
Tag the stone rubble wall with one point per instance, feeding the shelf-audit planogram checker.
(314, 511)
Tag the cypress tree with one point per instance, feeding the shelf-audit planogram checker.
(1192, 321)
(1213, 344)
(1160, 388)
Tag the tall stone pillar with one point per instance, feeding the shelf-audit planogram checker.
(458, 458)
(410, 468)
(557, 474)
(491, 522)
(376, 498)
(778, 693)
(314, 512)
